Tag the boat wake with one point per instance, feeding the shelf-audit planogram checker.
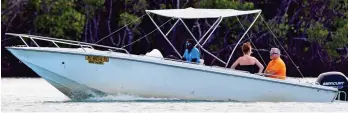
(132, 98)
(122, 98)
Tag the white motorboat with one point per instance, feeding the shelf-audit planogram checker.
(83, 72)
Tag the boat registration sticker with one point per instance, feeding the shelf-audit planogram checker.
(97, 59)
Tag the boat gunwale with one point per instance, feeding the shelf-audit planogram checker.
(213, 69)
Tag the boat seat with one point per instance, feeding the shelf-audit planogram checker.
(154, 53)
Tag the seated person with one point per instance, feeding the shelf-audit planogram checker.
(276, 67)
(191, 53)
(247, 62)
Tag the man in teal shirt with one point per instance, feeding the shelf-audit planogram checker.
(191, 53)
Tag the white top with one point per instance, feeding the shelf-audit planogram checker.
(192, 13)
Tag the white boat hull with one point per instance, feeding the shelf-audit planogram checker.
(69, 71)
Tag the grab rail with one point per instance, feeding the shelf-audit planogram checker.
(61, 41)
(339, 95)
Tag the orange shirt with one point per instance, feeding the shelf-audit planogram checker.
(279, 67)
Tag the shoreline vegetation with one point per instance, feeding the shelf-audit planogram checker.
(313, 32)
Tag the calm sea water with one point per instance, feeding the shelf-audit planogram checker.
(35, 94)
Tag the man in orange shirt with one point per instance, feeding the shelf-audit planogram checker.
(276, 67)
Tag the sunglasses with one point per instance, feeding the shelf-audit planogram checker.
(273, 53)
(188, 43)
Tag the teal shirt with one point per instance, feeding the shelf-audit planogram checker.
(193, 54)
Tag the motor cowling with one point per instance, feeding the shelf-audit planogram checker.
(337, 80)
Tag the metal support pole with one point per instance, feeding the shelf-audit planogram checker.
(172, 27)
(242, 38)
(199, 44)
(212, 31)
(55, 44)
(216, 23)
(165, 37)
(23, 41)
(263, 61)
(34, 42)
(275, 37)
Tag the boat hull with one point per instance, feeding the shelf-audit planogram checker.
(69, 71)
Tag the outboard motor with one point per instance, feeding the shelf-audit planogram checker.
(337, 80)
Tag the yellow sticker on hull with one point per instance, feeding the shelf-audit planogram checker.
(97, 59)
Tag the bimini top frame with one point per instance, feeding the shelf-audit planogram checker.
(192, 13)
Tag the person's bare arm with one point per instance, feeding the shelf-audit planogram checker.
(261, 67)
(234, 65)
